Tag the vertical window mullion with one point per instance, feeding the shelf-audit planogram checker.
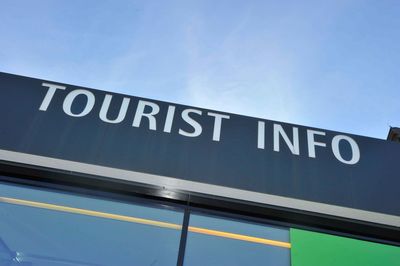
(184, 233)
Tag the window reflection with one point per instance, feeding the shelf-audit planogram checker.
(217, 241)
(41, 227)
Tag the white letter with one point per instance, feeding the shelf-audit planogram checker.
(294, 147)
(106, 105)
(217, 124)
(49, 95)
(196, 126)
(169, 119)
(140, 113)
(261, 135)
(312, 143)
(354, 149)
(71, 97)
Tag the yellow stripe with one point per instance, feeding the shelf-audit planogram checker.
(89, 213)
(144, 221)
(239, 237)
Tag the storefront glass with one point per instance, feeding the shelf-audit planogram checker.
(42, 227)
(222, 241)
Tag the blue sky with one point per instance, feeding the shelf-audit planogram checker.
(327, 64)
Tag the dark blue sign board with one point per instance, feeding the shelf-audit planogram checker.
(57, 125)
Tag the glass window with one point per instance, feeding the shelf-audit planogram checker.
(43, 227)
(222, 241)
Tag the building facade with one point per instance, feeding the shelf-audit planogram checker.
(90, 177)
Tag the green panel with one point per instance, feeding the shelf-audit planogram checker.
(316, 249)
